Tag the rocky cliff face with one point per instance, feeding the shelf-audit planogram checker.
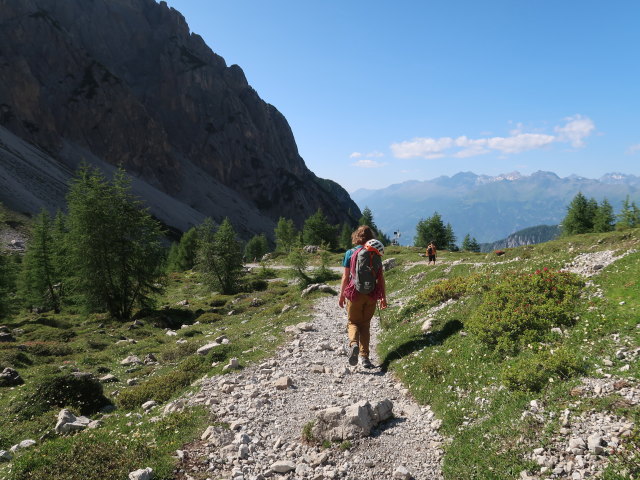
(125, 82)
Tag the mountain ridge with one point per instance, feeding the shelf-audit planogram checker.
(489, 207)
(125, 82)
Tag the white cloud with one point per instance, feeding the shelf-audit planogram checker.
(374, 154)
(520, 143)
(576, 129)
(364, 163)
(421, 147)
(633, 149)
(355, 155)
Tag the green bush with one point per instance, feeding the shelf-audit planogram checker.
(219, 301)
(521, 309)
(255, 285)
(83, 393)
(433, 368)
(14, 358)
(209, 317)
(51, 334)
(452, 288)
(53, 322)
(532, 372)
(162, 387)
(49, 349)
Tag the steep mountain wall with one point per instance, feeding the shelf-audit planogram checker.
(125, 82)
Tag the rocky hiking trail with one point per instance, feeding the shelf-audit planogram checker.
(272, 407)
(268, 406)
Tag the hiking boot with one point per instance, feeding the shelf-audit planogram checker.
(353, 356)
(366, 363)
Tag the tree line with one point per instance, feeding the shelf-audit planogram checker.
(107, 253)
(588, 216)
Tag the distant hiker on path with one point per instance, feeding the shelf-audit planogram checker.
(431, 253)
(362, 286)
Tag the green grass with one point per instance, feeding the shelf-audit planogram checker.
(475, 389)
(477, 392)
(60, 343)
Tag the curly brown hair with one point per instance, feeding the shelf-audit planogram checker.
(361, 235)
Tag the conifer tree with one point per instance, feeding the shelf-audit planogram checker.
(367, 219)
(317, 230)
(344, 240)
(114, 244)
(604, 219)
(629, 216)
(219, 256)
(42, 267)
(183, 256)
(432, 230)
(579, 219)
(450, 242)
(7, 283)
(286, 235)
(256, 248)
(470, 244)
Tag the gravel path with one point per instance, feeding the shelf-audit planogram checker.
(268, 422)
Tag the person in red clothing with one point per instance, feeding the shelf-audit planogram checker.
(431, 253)
(360, 310)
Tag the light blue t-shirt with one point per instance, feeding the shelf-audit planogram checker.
(346, 263)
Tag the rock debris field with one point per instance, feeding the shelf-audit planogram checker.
(268, 406)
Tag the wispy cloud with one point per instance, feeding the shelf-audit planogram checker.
(574, 132)
(633, 149)
(374, 154)
(365, 163)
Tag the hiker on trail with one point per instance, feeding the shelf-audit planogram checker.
(431, 253)
(362, 286)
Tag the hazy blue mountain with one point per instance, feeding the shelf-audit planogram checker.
(527, 236)
(489, 208)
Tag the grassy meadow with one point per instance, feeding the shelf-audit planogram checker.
(478, 375)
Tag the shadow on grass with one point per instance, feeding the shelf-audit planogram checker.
(431, 339)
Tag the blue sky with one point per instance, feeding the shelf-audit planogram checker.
(380, 92)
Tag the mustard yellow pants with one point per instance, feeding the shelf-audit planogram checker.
(360, 312)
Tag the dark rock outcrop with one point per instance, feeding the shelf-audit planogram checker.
(124, 82)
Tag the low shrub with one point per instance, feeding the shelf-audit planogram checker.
(180, 351)
(49, 349)
(14, 358)
(521, 309)
(255, 285)
(82, 393)
(53, 322)
(219, 301)
(46, 333)
(531, 372)
(209, 317)
(172, 318)
(162, 387)
(433, 368)
(452, 288)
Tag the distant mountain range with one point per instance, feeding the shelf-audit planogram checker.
(489, 208)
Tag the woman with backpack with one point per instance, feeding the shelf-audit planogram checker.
(362, 286)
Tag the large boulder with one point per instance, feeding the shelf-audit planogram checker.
(10, 378)
(69, 423)
(336, 424)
